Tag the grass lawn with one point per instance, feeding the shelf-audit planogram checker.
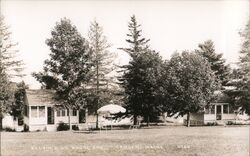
(170, 140)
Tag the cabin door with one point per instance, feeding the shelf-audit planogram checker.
(218, 112)
(82, 116)
(50, 116)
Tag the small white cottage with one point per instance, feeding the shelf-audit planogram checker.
(41, 114)
(220, 111)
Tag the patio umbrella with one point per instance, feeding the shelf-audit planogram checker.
(111, 109)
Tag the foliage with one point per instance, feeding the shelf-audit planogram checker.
(18, 105)
(189, 84)
(138, 44)
(245, 52)
(75, 127)
(47, 81)
(240, 95)
(69, 66)
(5, 94)
(211, 124)
(8, 54)
(216, 61)
(103, 65)
(142, 85)
(62, 127)
(10, 67)
(140, 78)
(8, 129)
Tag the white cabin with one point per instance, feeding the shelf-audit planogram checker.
(41, 114)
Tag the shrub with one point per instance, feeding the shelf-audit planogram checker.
(230, 123)
(8, 129)
(62, 127)
(211, 124)
(75, 127)
(25, 128)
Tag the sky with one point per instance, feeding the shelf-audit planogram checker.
(170, 25)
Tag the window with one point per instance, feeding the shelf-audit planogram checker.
(50, 113)
(58, 113)
(34, 111)
(41, 111)
(225, 109)
(63, 112)
(20, 121)
(74, 112)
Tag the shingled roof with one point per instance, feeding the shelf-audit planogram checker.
(40, 97)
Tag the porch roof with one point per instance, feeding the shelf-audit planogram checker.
(40, 97)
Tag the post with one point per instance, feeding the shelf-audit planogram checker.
(97, 120)
(188, 119)
(1, 122)
(148, 120)
(135, 119)
(70, 127)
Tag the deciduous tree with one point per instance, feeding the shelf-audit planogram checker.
(69, 65)
(189, 84)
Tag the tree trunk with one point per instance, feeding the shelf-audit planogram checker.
(135, 119)
(1, 123)
(148, 120)
(97, 92)
(97, 126)
(188, 119)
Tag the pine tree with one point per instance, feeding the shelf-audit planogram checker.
(5, 95)
(137, 42)
(240, 96)
(222, 71)
(10, 67)
(140, 76)
(103, 65)
(8, 53)
(245, 52)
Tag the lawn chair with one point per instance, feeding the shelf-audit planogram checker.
(90, 126)
(136, 126)
(102, 126)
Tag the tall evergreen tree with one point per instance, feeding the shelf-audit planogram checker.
(245, 52)
(8, 52)
(5, 95)
(218, 64)
(10, 67)
(140, 75)
(138, 44)
(240, 96)
(103, 65)
(69, 65)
